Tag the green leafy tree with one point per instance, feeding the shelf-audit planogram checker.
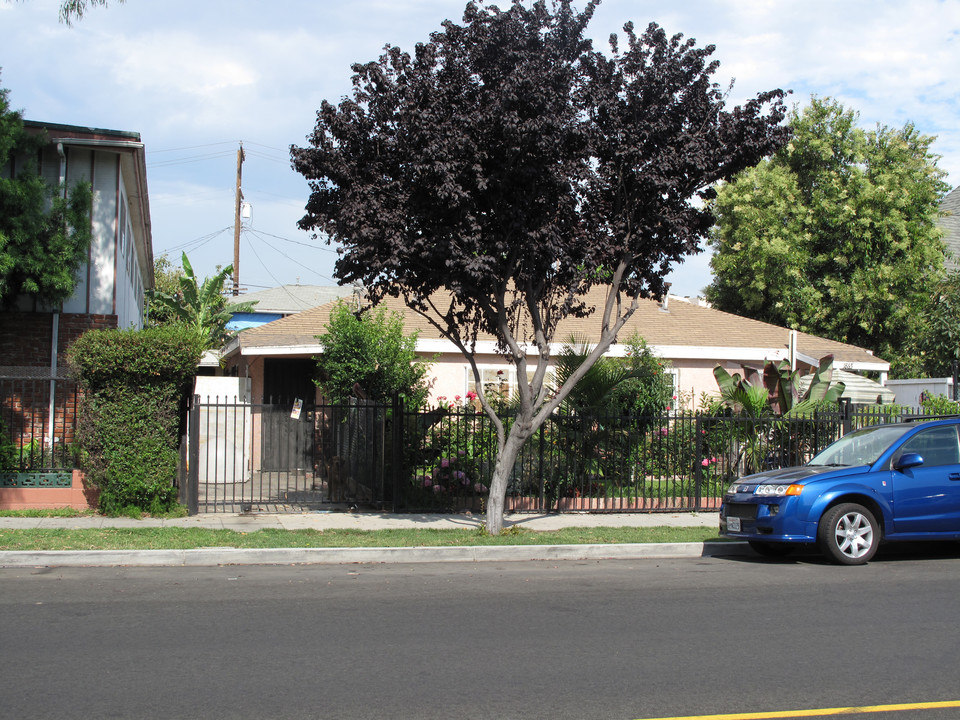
(495, 175)
(366, 354)
(648, 390)
(166, 280)
(836, 234)
(44, 230)
(199, 307)
(934, 346)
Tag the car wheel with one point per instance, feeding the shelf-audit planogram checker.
(848, 534)
(770, 549)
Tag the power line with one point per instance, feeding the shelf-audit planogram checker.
(200, 241)
(248, 233)
(281, 160)
(187, 160)
(297, 242)
(194, 147)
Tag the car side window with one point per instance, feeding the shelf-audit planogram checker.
(937, 446)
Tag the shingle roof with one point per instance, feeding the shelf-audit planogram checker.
(288, 299)
(681, 325)
(950, 223)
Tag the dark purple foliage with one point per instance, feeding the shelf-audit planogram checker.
(494, 176)
(505, 153)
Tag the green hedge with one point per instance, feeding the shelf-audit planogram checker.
(133, 385)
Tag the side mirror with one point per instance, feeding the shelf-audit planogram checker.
(908, 460)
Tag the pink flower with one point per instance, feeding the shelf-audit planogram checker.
(427, 482)
(705, 462)
(445, 462)
(480, 488)
(457, 398)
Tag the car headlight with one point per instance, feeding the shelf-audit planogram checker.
(734, 489)
(778, 490)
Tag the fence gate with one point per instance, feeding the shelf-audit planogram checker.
(249, 457)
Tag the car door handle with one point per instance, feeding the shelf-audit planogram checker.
(954, 476)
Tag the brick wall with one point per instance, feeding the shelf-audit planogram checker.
(25, 339)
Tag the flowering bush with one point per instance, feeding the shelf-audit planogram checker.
(469, 403)
(455, 475)
(714, 476)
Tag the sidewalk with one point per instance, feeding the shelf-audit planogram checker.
(366, 521)
(331, 520)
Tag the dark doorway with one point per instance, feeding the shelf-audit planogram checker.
(288, 414)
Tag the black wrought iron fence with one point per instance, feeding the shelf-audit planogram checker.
(38, 417)
(681, 461)
(443, 460)
(247, 456)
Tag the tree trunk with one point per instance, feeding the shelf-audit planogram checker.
(520, 432)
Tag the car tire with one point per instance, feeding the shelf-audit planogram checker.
(771, 549)
(848, 534)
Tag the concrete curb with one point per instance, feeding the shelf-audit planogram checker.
(212, 557)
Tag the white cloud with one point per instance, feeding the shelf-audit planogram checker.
(204, 75)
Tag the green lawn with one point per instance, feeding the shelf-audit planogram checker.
(173, 538)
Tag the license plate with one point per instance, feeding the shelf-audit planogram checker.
(733, 524)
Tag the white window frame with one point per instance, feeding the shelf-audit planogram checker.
(508, 381)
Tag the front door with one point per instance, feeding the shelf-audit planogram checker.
(288, 400)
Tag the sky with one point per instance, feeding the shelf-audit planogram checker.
(197, 78)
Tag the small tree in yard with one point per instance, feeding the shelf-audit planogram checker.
(502, 170)
(367, 354)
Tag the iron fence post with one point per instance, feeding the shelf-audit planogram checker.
(397, 445)
(697, 462)
(193, 455)
(540, 469)
(846, 415)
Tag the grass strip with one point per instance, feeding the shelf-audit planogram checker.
(174, 538)
(48, 512)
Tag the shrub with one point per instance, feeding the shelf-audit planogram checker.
(940, 405)
(8, 451)
(133, 385)
(367, 354)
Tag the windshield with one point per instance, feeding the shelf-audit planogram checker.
(862, 447)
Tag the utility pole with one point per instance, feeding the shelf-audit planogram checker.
(236, 224)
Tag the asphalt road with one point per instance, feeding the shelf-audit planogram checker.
(562, 640)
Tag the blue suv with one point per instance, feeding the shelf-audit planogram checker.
(885, 482)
